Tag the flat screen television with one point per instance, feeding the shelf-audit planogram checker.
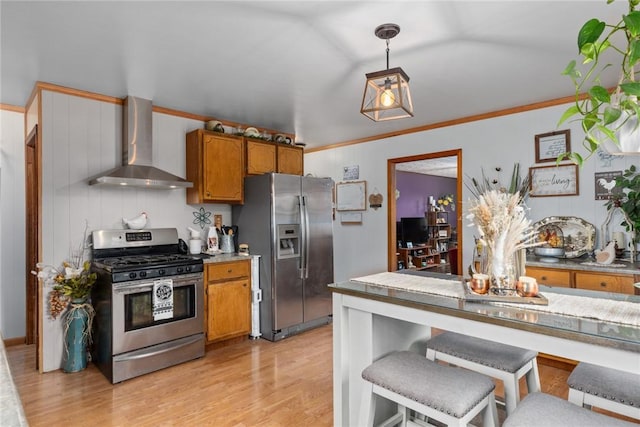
(414, 230)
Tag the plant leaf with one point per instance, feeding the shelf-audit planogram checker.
(571, 111)
(631, 88)
(600, 93)
(590, 32)
(632, 22)
(611, 114)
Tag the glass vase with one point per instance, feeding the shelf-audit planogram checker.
(502, 271)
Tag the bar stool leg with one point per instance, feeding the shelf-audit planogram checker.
(367, 405)
(533, 377)
(490, 413)
(511, 393)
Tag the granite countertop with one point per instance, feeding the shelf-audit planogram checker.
(11, 411)
(587, 264)
(209, 259)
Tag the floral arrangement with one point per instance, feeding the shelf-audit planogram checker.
(70, 281)
(500, 218)
(446, 200)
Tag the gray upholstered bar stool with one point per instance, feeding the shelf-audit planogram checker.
(505, 362)
(543, 410)
(450, 395)
(606, 388)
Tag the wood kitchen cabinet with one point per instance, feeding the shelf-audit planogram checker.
(589, 280)
(290, 159)
(227, 300)
(215, 165)
(622, 284)
(550, 277)
(261, 157)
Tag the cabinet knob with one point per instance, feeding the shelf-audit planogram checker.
(230, 270)
(603, 284)
(543, 278)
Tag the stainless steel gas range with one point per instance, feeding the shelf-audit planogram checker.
(148, 302)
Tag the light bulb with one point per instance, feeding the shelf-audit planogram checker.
(387, 98)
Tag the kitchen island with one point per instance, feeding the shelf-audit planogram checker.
(370, 321)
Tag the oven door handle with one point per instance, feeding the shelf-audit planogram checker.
(144, 353)
(149, 285)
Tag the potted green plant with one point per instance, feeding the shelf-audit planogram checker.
(629, 199)
(605, 114)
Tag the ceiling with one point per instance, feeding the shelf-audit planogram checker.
(441, 166)
(297, 66)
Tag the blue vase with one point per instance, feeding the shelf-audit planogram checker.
(75, 339)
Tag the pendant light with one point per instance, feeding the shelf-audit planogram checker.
(386, 93)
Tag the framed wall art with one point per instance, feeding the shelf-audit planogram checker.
(550, 145)
(605, 185)
(547, 181)
(351, 196)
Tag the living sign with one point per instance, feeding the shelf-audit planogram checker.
(549, 181)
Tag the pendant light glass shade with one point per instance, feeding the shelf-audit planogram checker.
(387, 96)
(386, 93)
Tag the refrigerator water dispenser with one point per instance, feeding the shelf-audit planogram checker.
(288, 241)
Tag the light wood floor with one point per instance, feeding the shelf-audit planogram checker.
(248, 383)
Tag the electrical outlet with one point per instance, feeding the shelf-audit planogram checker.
(217, 221)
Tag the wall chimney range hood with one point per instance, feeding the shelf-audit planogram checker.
(137, 153)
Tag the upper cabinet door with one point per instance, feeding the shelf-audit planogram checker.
(215, 165)
(261, 157)
(290, 160)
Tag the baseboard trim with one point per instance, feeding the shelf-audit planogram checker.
(14, 341)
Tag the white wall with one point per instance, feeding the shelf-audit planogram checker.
(12, 225)
(80, 139)
(497, 142)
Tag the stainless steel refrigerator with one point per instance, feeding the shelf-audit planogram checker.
(287, 220)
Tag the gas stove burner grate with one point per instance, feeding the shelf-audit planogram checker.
(144, 260)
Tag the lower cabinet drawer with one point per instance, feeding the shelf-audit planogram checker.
(228, 270)
(604, 282)
(550, 277)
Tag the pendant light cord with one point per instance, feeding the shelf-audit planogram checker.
(387, 54)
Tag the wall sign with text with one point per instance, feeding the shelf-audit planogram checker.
(547, 181)
(550, 145)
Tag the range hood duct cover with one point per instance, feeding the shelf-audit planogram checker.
(137, 152)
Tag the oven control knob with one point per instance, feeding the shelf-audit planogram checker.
(161, 272)
(132, 275)
(143, 274)
(187, 268)
(179, 269)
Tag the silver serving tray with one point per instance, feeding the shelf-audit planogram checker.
(579, 235)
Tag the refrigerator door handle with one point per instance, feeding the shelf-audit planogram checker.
(306, 240)
(303, 233)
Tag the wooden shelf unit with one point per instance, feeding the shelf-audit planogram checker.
(439, 234)
(422, 257)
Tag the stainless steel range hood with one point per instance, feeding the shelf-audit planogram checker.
(137, 153)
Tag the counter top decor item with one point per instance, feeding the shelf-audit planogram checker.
(499, 215)
(609, 119)
(578, 236)
(629, 204)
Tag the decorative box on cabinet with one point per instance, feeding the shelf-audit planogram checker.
(261, 157)
(290, 159)
(227, 300)
(215, 165)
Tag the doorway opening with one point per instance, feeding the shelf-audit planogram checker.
(33, 297)
(453, 218)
